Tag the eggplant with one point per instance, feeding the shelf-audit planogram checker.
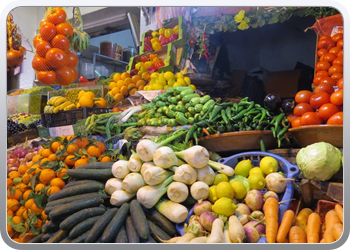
(287, 105)
(272, 102)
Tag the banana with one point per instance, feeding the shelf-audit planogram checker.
(56, 110)
(63, 105)
(60, 100)
(51, 109)
(47, 109)
(69, 107)
(52, 100)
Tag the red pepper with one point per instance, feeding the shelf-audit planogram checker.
(144, 58)
(206, 56)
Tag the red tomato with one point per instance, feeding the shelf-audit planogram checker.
(322, 73)
(42, 22)
(334, 50)
(36, 40)
(302, 108)
(338, 61)
(327, 79)
(340, 53)
(60, 42)
(42, 48)
(340, 43)
(310, 118)
(327, 110)
(57, 15)
(329, 57)
(65, 29)
(321, 52)
(64, 75)
(318, 99)
(324, 87)
(335, 69)
(73, 60)
(322, 65)
(303, 96)
(75, 73)
(336, 37)
(46, 77)
(40, 63)
(318, 78)
(337, 97)
(337, 118)
(324, 37)
(326, 43)
(337, 76)
(56, 58)
(296, 122)
(48, 31)
(340, 83)
(291, 117)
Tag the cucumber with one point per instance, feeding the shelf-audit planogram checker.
(75, 198)
(75, 190)
(204, 99)
(158, 233)
(100, 225)
(74, 219)
(50, 227)
(81, 238)
(46, 236)
(78, 182)
(114, 225)
(90, 174)
(96, 165)
(133, 237)
(36, 239)
(139, 219)
(83, 226)
(149, 240)
(162, 222)
(65, 240)
(188, 98)
(70, 208)
(122, 237)
(58, 236)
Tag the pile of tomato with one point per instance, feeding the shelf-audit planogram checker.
(323, 105)
(53, 62)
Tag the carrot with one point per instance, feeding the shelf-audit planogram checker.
(313, 228)
(328, 236)
(301, 219)
(286, 223)
(337, 230)
(331, 218)
(339, 210)
(271, 219)
(322, 241)
(297, 235)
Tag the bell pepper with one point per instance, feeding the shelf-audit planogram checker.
(161, 31)
(168, 32)
(100, 102)
(156, 46)
(86, 101)
(152, 56)
(173, 37)
(155, 33)
(144, 58)
(153, 40)
(176, 29)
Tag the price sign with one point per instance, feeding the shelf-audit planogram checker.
(63, 130)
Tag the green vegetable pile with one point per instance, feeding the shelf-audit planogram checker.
(38, 90)
(25, 118)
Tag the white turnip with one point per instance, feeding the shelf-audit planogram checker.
(201, 207)
(276, 182)
(206, 219)
(252, 234)
(257, 225)
(243, 208)
(269, 194)
(254, 199)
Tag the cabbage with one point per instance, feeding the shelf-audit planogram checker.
(319, 161)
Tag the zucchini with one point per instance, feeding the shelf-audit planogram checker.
(36, 239)
(194, 101)
(204, 99)
(139, 219)
(179, 89)
(149, 240)
(90, 174)
(46, 236)
(100, 225)
(198, 107)
(96, 165)
(181, 119)
(162, 222)
(181, 108)
(65, 240)
(208, 105)
(81, 238)
(83, 226)
(78, 189)
(70, 208)
(186, 92)
(78, 182)
(122, 237)
(114, 225)
(158, 233)
(58, 236)
(74, 198)
(188, 98)
(133, 237)
(74, 219)
(50, 227)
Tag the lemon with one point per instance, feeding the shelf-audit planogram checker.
(161, 80)
(268, 165)
(212, 194)
(240, 190)
(179, 75)
(181, 81)
(219, 178)
(171, 82)
(256, 181)
(177, 84)
(224, 189)
(192, 86)
(155, 75)
(224, 206)
(187, 80)
(243, 167)
(156, 86)
(256, 171)
(169, 75)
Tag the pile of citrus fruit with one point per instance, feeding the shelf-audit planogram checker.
(29, 187)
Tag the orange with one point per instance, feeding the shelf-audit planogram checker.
(36, 209)
(142, 87)
(82, 142)
(40, 151)
(140, 83)
(9, 213)
(127, 81)
(9, 182)
(58, 182)
(36, 158)
(145, 76)
(135, 78)
(105, 158)
(14, 194)
(52, 157)
(111, 85)
(72, 148)
(13, 174)
(16, 219)
(29, 164)
(37, 170)
(20, 211)
(46, 175)
(120, 83)
(43, 215)
(70, 137)
(26, 178)
(13, 205)
(29, 203)
(21, 186)
(132, 92)
(131, 85)
(10, 230)
(81, 162)
(62, 172)
(55, 146)
(38, 223)
(124, 90)
(115, 91)
(46, 153)
(69, 160)
(52, 190)
(124, 75)
(39, 187)
(94, 151)
(117, 77)
(26, 194)
(101, 146)
(86, 157)
(22, 169)
(43, 160)
(27, 213)
(119, 97)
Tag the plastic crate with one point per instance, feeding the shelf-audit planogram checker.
(290, 170)
(70, 117)
(26, 103)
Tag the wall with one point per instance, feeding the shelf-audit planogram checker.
(122, 38)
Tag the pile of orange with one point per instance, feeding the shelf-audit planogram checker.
(29, 187)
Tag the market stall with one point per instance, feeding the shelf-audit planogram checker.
(156, 154)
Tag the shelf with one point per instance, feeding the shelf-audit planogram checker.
(108, 60)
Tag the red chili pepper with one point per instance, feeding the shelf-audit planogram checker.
(206, 56)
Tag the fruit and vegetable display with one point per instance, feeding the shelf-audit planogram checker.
(15, 52)
(160, 37)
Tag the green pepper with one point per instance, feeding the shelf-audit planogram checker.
(224, 117)
(215, 111)
(172, 122)
(190, 133)
(241, 113)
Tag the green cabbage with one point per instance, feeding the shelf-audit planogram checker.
(319, 161)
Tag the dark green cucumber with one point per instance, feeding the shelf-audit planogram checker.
(70, 208)
(158, 233)
(36, 239)
(78, 182)
(149, 240)
(74, 198)
(96, 165)
(90, 174)
(83, 226)
(74, 219)
(46, 236)
(81, 238)
(139, 219)
(122, 237)
(65, 240)
(58, 236)
(162, 222)
(100, 225)
(133, 237)
(114, 225)
(78, 189)
(50, 227)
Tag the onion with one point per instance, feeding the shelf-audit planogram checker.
(20, 152)
(14, 58)
(30, 156)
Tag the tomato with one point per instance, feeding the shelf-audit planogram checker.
(337, 97)
(337, 76)
(336, 37)
(64, 75)
(322, 66)
(322, 73)
(318, 78)
(338, 61)
(65, 29)
(60, 42)
(335, 69)
(323, 37)
(324, 87)
(73, 60)
(318, 99)
(46, 77)
(303, 96)
(310, 118)
(302, 108)
(36, 40)
(48, 31)
(334, 50)
(329, 57)
(56, 58)
(291, 117)
(327, 79)
(42, 48)
(340, 53)
(340, 83)
(326, 43)
(337, 118)
(40, 63)
(42, 22)
(327, 110)
(321, 52)
(340, 43)
(296, 122)
(75, 73)
(57, 15)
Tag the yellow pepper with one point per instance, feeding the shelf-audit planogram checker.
(100, 102)
(155, 34)
(176, 29)
(156, 46)
(153, 40)
(168, 32)
(86, 101)
(161, 31)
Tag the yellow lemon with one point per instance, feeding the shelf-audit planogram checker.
(157, 86)
(240, 190)
(179, 75)
(224, 206)
(220, 178)
(171, 82)
(155, 75)
(256, 181)
(256, 170)
(192, 86)
(224, 189)
(268, 165)
(169, 75)
(181, 81)
(161, 80)
(212, 194)
(187, 80)
(243, 167)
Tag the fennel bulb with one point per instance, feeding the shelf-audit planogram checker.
(177, 192)
(185, 174)
(120, 169)
(196, 156)
(221, 168)
(134, 163)
(165, 157)
(113, 184)
(155, 175)
(119, 197)
(199, 190)
(146, 165)
(133, 182)
(148, 196)
(206, 175)
(174, 211)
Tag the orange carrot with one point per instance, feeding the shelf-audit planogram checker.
(337, 230)
(286, 223)
(328, 236)
(297, 235)
(301, 219)
(339, 210)
(313, 228)
(271, 219)
(322, 241)
(331, 218)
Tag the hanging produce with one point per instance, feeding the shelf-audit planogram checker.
(15, 52)
(79, 40)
